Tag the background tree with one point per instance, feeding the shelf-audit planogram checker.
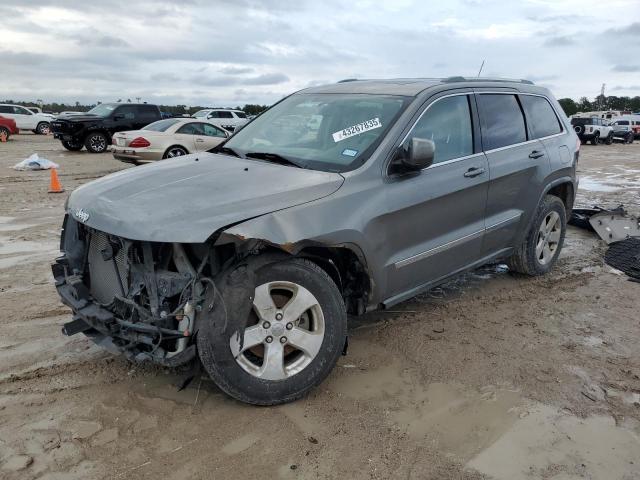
(569, 106)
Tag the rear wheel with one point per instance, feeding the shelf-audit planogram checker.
(290, 341)
(596, 138)
(43, 128)
(96, 142)
(4, 132)
(175, 151)
(541, 247)
(72, 146)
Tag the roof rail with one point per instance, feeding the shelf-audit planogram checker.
(348, 80)
(485, 79)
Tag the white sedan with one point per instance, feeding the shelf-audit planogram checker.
(167, 138)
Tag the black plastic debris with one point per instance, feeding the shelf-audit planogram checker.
(625, 256)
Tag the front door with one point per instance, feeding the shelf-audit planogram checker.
(209, 136)
(434, 224)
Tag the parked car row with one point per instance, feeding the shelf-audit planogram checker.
(599, 130)
(27, 119)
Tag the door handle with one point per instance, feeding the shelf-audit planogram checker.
(474, 172)
(536, 154)
(199, 140)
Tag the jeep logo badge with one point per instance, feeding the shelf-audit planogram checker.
(81, 215)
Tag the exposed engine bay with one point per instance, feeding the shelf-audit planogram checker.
(138, 298)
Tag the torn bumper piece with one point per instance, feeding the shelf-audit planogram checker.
(107, 330)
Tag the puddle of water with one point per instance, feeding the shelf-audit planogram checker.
(593, 185)
(240, 444)
(593, 447)
(20, 246)
(608, 184)
(461, 422)
(13, 261)
(592, 341)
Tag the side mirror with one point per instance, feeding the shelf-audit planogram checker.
(418, 154)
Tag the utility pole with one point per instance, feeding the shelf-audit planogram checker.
(138, 99)
(601, 99)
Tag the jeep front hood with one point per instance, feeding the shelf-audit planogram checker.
(189, 198)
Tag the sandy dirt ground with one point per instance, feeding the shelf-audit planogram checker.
(491, 376)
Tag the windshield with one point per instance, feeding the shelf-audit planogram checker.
(330, 132)
(103, 110)
(160, 125)
(201, 113)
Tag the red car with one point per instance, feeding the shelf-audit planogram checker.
(8, 126)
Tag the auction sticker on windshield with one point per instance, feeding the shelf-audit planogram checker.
(356, 129)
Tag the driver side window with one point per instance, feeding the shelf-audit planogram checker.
(447, 123)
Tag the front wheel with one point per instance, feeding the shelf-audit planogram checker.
(175, 151)
(96, 142)
(541, 247)
(290, 342)
(4, 132)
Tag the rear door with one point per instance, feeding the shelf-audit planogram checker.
(518, 165)
(435, 218)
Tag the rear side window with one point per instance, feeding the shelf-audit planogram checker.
(240, 114)
(622, 122)
(502, 121)
(6, 109)
(447, 123)
(542, 120)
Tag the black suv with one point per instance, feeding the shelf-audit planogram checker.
(95, 128)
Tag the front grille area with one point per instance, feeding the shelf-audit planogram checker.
(107, 278)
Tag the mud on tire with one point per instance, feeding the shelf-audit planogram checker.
(221, 364)
(525, 260)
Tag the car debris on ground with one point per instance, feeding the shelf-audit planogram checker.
(619, 230)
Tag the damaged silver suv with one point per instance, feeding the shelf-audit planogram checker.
(337, 200)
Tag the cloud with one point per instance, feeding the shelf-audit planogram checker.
(267, 79)
(559, 41)
(626, 68)
(632, 29)
(235, 70)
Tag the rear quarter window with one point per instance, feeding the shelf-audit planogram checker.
(501, 120)
(541, 118)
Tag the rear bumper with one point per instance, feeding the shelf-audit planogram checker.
(132, 155)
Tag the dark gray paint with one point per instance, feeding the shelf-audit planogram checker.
(410, 231)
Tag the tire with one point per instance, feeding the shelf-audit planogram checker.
(43, 128)
(241, 373)
(527, 257)
(609, 139)
(6, 132)
(96, 142)
(596, 138)
(175, 151)
(579, 129)
(73, 147)
(629, 138)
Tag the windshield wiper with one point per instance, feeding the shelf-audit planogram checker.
(228, 150)
(275, 158)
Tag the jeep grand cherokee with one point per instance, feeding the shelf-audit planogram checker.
(338, 200)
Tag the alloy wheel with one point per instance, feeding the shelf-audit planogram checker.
(98, 143)
(284, 334)
(548, 238)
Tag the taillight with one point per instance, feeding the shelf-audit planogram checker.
(139, 142)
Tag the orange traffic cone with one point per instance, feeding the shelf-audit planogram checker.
(3, 136)
(54, 184)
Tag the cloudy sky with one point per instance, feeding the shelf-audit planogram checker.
(219, 52)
